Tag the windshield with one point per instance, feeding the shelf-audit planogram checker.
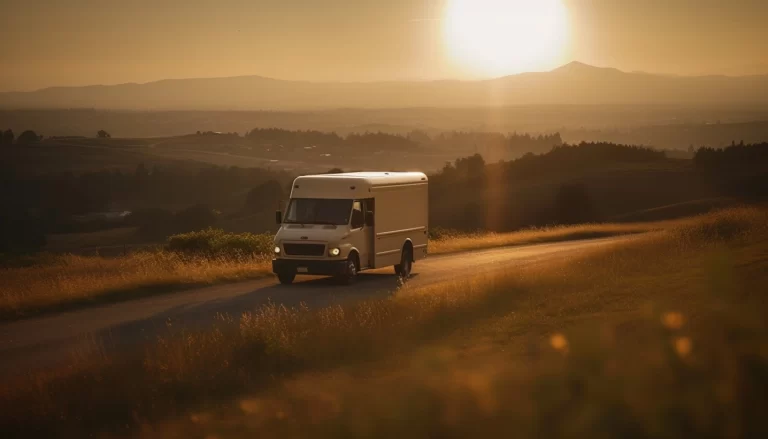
(318, 211)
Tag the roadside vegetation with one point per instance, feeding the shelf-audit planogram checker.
(663, 335)
(444, 241)
(59, 282)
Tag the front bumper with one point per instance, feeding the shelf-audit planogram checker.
(299, 266)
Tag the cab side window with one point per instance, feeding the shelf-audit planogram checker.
(358, 217)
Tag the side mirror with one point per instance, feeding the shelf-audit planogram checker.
(358, 221)
(369, 218)
(279, 217)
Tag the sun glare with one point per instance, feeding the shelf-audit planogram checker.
(499, 37)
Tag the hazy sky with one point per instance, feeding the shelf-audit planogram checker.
(77, 42)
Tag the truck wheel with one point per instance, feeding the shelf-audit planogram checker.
(351, 272)
(286, 278)
(405, 265)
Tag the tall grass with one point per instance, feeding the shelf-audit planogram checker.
(210, 256)
(451, 241)
(70, 280)
(658, 336)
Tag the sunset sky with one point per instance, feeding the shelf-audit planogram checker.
(79, 42)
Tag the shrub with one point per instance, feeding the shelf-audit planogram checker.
(216, 243)
(28, 137)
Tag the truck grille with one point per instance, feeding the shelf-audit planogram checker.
(304, 249)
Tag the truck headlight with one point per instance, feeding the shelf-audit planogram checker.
(277, 250)
(334, 252)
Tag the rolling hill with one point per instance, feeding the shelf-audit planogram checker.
(572, 84)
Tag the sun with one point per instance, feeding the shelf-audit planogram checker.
(500, 37)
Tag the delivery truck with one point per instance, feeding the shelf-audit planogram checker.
(341, 224)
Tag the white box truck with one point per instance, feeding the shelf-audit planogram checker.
(341, 224)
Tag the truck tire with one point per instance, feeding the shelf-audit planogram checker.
(403, 269)
(286, 278)
(351, 272)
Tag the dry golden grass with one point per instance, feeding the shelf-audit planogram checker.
(459, 243)
(70, 280)
(663, 335)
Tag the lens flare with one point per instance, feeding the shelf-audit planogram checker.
(498, 37)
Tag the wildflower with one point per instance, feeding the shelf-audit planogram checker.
(251, 406)
(559, 342)
(682, 346)
(672, 320)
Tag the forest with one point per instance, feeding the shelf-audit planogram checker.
(565, 184)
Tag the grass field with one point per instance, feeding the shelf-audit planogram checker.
(661, 336)
(453, 243)
(70, 281)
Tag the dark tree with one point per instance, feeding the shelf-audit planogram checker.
(471, 167)
(103, 134)
(419, 136)
(28, 136)
(7, 137)
(265, 197)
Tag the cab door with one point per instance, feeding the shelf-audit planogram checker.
(361, 234)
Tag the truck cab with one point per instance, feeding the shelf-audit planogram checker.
(341, 224)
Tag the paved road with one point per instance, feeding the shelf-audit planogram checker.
(58, 338)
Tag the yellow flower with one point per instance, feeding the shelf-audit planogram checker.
(683, 346)
(559, 342)
(672, 320)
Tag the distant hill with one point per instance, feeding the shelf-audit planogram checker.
(572, 84)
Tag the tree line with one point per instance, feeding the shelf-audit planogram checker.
(486, 143)
(736, 155)
(7, 137)
(567, 184)
(738, 170)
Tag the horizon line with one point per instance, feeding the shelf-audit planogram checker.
(385, 81)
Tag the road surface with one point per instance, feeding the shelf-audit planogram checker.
(65, 337)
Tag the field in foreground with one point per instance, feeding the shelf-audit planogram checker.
(69, 281)
(662, 336)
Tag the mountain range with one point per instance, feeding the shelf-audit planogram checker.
(572, 84)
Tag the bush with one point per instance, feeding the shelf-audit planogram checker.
(28, 137)
(216, 243)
